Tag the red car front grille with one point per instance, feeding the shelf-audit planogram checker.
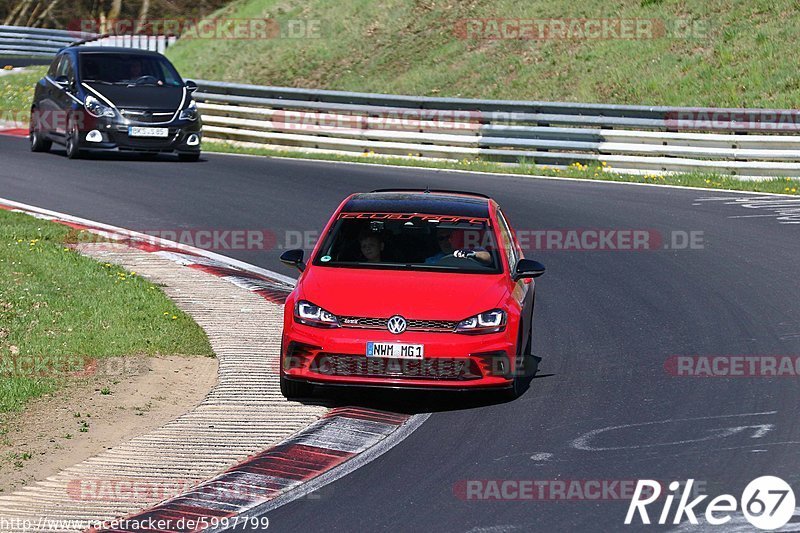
(359, 365)
(443, 326)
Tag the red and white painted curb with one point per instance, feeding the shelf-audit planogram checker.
(319, 449)
(343, 440)
(14, 132)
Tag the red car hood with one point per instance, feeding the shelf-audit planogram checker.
(412, 294)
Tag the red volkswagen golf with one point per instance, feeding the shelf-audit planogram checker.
(410, 288)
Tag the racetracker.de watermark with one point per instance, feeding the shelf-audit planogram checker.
(733, 120)
(733, 366)
(579, 29)
(138, 489)
(216, 239)
(399, 119)
(530, 240)
(48, 366)
(550, 489)
(221, 28)
(569, 240)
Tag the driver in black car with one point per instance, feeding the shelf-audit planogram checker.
(137, 72)
(445, 238)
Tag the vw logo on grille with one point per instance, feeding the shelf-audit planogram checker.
(397, 324)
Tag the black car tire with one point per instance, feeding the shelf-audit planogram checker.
(189, 158)
(73, 152)
(521, 368)
(38, 142)
(295, 389)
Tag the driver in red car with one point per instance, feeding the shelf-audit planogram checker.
(445, 238)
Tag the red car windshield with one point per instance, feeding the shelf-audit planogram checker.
(410, 242)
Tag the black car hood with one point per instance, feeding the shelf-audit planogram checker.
(141, 97)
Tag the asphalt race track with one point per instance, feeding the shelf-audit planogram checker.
(603, 408)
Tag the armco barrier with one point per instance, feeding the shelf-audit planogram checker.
(637, 139)
(18, 41)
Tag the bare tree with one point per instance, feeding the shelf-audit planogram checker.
(18, 13)
(61, 14)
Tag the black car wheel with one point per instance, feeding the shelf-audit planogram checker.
(295, 389)
(38, 142)
(521, 368)
(189, 158)
(73, 152)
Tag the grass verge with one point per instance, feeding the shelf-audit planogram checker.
(16, 94)
(696, 52)
(597, 173)
(59, 310)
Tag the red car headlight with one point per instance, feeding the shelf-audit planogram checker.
(488, 322)
(313, 315)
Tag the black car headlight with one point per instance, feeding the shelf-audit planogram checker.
(97, 109)
(190, 113)
(488, 322)
(313, 315)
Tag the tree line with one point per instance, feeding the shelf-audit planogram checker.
(70, 14)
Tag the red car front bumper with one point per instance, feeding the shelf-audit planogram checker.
(451, 361)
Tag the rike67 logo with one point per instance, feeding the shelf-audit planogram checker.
(767, 502)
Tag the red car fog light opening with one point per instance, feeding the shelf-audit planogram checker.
(493, 363)
(298, 355)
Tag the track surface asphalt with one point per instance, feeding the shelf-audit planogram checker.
(606, 321)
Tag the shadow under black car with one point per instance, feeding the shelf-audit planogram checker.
(123, 156)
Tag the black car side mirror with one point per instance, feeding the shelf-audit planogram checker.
(62, 82)
(528, 268)
(294, 258)
(191, 86)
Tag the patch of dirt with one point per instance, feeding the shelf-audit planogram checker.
(123, 398)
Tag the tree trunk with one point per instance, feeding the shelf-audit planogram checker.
(32, 17)
(17, 14)
(46, 12)
(143, 11)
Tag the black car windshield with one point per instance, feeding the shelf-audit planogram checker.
(411, 242)
(128, 69)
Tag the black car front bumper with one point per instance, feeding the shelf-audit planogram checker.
(115, 137)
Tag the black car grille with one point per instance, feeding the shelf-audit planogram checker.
(142, 116)
(413, 325)
(359, 365)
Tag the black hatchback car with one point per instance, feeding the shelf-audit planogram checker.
(104, 98)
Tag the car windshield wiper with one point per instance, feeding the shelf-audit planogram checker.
(99, 81)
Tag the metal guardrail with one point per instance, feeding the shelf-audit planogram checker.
(18, 41)
(155, 43)
(636, 139)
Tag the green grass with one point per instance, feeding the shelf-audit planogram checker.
(742, 53)
(789, 186)
(59, 309)
(16, 93)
